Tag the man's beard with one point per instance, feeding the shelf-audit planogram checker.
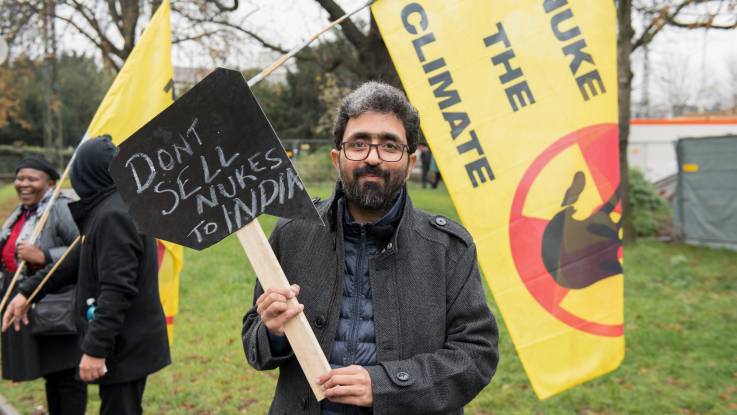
(373, 196)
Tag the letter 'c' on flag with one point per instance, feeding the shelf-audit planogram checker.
(142, 89)
(518, 102)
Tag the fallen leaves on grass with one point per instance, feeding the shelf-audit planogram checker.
(727, 394)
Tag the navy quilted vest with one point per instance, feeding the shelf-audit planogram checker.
(355, 341)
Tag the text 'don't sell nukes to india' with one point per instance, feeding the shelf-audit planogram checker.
(207, 165)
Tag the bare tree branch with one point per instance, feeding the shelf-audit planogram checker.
(657, 23)
(17, 18)
(667, 14)
(104, 43)
(111, 6)
(223, 8)
(251, 34)
(195, 37)
(131, 12)
(230, 25)
(111, 25)
(351, 31)
(707, 24)
(103, 48)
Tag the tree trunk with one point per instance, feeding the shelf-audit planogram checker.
(131, 10)
(155, 6)
(56, 92)
(624, 73)
(48, 116)
(375, 59)
(374, 62)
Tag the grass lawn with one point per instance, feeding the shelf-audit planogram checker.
(680, 318)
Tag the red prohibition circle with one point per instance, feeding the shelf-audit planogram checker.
(599, 146)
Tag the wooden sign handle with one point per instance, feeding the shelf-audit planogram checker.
(298, 330)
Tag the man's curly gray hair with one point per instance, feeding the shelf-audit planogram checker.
(378, 97)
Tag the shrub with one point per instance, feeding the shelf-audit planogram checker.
(315, 166)
(649, 210)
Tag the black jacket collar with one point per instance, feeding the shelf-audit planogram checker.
(330, 211)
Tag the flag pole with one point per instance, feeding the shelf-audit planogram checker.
(53, 269)
(48, 276)
(251, 82)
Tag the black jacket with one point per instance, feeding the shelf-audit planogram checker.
(436, 339)
(118, 267)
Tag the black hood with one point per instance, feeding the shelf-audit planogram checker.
(90, 173)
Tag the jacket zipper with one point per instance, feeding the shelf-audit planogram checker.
(358, 276)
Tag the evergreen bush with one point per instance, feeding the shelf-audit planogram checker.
(649, 210)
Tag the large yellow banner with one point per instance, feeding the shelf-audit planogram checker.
(518, 102)
(141, 90)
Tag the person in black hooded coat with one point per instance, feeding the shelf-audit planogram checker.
(116, 267)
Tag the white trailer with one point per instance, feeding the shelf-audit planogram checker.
(652, 141)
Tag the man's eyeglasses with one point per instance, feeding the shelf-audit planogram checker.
(359, 150)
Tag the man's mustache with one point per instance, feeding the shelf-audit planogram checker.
(370, 170)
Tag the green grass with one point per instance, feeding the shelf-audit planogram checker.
(8, 201)
(680, 319)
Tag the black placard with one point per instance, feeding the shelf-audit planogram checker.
(208, 165)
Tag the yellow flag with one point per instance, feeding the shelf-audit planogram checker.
(518, 101)
(143, 88)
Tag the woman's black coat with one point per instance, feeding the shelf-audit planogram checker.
(118, 267)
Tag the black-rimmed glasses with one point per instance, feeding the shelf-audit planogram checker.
(359, 150)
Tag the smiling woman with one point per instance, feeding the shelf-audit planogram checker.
(34, 177)
(31, 185)
(26, 355)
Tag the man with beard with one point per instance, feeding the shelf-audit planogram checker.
(392, 293)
